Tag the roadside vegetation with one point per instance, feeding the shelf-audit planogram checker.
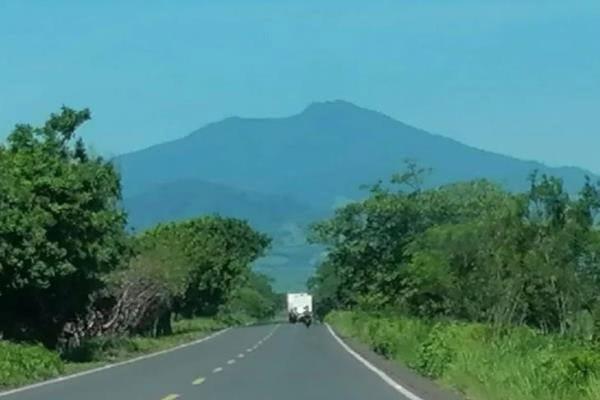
(493, 293)
(77, 287)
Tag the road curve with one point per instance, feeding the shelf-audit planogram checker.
(251, 363)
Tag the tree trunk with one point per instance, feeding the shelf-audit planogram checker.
(164, 324)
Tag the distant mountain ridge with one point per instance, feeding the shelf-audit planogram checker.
(281, 173)
(328, 150)
(184, 199)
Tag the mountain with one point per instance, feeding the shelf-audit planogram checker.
(291, 259)
(281, 173)
(183, 199)
(325, 152)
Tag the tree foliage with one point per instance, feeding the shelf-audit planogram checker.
(68, 269)
(255, 299)
(190, 268)
(212, 259)
(469, 251)
(60, 227)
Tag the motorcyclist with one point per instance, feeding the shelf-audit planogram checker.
(293, 317)
(306, 316)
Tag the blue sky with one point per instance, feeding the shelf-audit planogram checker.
(517, 77)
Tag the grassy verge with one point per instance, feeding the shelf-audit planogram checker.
(23, 364)
(518, 364)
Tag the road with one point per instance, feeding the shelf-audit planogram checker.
(251, 363)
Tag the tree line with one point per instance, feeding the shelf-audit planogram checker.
(69, 268)
(467, 251)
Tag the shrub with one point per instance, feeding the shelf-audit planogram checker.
(20, 363)
(197, 325)
(385, 334)
(435, 354)
(516, 363)
(103, 348)
(111, 348)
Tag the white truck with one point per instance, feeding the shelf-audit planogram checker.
(300, 308)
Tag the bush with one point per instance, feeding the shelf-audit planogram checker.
(248, 305)
(197, 325)
(20, 364)
(384, 336)
(112, 348)
(235, 318)
(440, 349)
(517, 363)
(394, 338)
(103, 348)
(436, 354)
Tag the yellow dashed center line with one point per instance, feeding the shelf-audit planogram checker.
(198, 381)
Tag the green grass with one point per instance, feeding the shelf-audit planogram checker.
(23, 364)
(114, 349)
(517, 364)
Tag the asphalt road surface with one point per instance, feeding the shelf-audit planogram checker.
(250, 363)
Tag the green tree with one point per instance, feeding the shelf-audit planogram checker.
(61, 229)
(255, 299)
(213, 258)
(469, 251)
(222, 250)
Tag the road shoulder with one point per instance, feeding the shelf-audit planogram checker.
(406, 377)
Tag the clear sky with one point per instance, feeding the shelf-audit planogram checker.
(521, 77)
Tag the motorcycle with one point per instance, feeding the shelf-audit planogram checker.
(293, 317)
(306, 318)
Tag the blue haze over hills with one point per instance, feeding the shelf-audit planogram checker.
(283, 173)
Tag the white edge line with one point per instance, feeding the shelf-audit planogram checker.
(108, 366)
(386, 378)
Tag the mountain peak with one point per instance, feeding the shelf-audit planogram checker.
(331, 106)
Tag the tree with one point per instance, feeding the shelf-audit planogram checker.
(255, 299)
(469, 251)
(221, 251)
(183, 268)
(61, 229)
(210, 260)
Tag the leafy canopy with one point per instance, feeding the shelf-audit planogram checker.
(60, 226)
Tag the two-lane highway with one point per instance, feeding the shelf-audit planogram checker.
(258, 362)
